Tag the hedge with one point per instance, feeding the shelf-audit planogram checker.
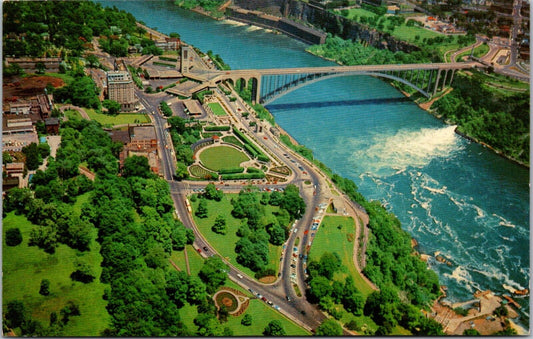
(243, 176)
(262, 157)
(253, 170)
(231, 170)
(167, 58)
(216, 128)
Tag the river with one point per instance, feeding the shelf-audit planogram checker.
(451, 195)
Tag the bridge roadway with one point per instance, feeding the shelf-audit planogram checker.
(343, 69)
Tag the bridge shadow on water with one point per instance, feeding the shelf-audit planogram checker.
(356, 102)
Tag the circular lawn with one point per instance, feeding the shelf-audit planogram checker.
(222, 157)
(227, 299)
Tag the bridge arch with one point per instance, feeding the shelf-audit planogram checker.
(279, 92)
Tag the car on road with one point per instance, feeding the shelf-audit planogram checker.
(288, 298)
(293, 265)
(206, 249)
(270, 303)
(239, 275)
(199, 250)
(306, 231)
(264, 298)
(251, 291)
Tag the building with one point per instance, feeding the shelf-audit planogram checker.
(20, 108)
(18, 133)
(120, 88)
(42, 106)
(143, 138)
(140, 141)
(52, 126)
(168, 44)
(32, 65)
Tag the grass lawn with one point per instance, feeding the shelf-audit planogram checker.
(358, 12)
(195, 260)
(406, 33)
(121, 119)
(72, 114)
(220, 157)
(331, 239)
(261, 313)
(225, 244)
(217, 108)
(24, 267)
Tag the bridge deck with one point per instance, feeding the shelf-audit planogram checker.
(348, 69)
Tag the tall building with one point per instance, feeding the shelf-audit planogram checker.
(120, 88)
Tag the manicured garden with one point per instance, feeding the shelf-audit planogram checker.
(216, 108)
(222, 157)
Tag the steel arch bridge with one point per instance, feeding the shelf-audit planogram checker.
(268, 85)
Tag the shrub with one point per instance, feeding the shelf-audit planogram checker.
(13, 237)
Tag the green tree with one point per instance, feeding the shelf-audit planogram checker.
(136, 166)
(45, 287)
(83, 272)
(212, 193)
(220, 225)
(6, 158)
(44, 237)
(471, 332)
(15, 313)
(33, 156)
(13, 237)
(181, 171)
(177, 286)
(274, 329)
(223, 314)
(246, 320)
(319, 288)
(202, 212)
(44, 150)
(196, 292)
(113, 107)
(213, 273)
(329, 328)
(292, 202)
(92, 60)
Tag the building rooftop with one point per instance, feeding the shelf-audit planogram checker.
(142, 133)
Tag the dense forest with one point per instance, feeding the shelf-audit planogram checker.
(36, 28)
(500, 120)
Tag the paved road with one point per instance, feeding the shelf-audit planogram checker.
(314, 192)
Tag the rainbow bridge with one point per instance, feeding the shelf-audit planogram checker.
(268, 85)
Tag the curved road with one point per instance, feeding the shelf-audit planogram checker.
(296, 308)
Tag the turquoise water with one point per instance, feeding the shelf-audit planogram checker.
(453, 196)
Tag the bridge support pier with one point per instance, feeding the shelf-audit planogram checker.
(436, 83)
